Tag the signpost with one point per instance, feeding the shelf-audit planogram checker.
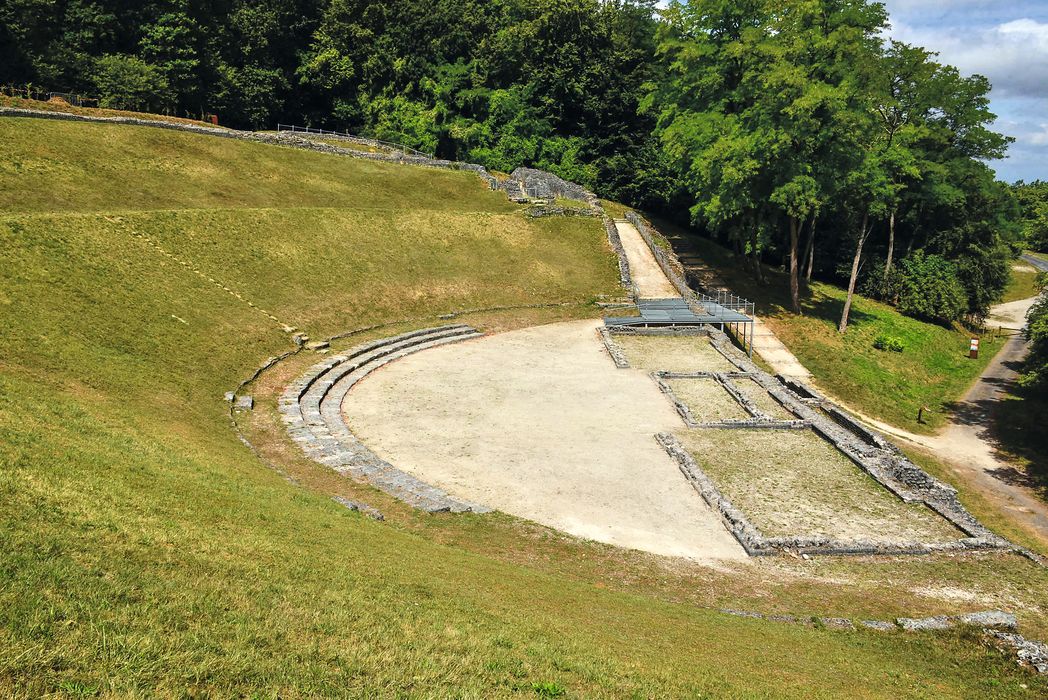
(973, 349)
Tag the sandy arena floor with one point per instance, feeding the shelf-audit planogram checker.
(539, 423)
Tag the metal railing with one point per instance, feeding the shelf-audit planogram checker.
(353, 137)
(74, 99)
(38, 94)
(728, 301)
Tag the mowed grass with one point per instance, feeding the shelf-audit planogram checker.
(65, 166)
(792, 483)
(145, 551)
(1022, 284)
(932, 372)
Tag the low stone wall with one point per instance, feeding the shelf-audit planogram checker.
(847, 422)
(540, 210)
(987, 619)
(673, 331)
(616, 244)
(735, 520)
(383, 146)
(615, 351)
(1027, 652)
(758, 419)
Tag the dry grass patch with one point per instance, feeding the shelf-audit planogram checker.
(707, 400)
(793, 483)
(762, 399)
(351, 145)
(673, 353)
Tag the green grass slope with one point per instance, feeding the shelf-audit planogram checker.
(146, 552)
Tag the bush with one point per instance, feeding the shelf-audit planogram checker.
(929, 289)
(875, 284)
(1035, 367)
(889, 342)
(128, 82)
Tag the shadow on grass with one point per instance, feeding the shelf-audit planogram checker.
(1019, 430)
(772, 297)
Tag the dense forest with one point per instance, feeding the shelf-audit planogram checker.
(790, 130)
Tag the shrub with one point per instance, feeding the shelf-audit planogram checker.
(1035, 367)
(548, 689)
(128, 82)
(889, 342)
(875, 284)
(929, 289)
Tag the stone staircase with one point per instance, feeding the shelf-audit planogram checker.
(311, 407)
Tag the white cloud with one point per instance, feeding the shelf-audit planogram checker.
(1025, 29)
(1006, 42)
(1013, 55)
(1040, 137)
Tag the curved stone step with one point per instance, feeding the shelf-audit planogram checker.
(294, 395)
(311, 409)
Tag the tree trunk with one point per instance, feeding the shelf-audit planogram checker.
(891, 243)
(863, 233)
(809, 250)
(756, 254)
(795, 287)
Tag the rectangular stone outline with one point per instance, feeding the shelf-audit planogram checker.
(758, 419)
(755, 543)
(885, 465)
(894, 472)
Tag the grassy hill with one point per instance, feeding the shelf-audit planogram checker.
(145, 551)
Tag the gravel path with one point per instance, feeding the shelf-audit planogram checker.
(1040, 264)
(649, 281)
(539, 423)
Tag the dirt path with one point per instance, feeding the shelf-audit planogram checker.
(649, 281)
(540, 423)
(778, 356)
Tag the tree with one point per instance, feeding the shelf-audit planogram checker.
(169, 44)
(757, 105)
(128, 82)
(1032, 199)
(1035, 366)
(930, 289)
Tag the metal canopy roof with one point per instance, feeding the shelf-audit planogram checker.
(676, 311)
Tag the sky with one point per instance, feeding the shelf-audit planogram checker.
(1005, 40)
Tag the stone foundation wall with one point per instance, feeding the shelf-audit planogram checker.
(616, 244)
(871, 453)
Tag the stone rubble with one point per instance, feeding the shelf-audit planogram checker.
(360, 507)
(1028, 652)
